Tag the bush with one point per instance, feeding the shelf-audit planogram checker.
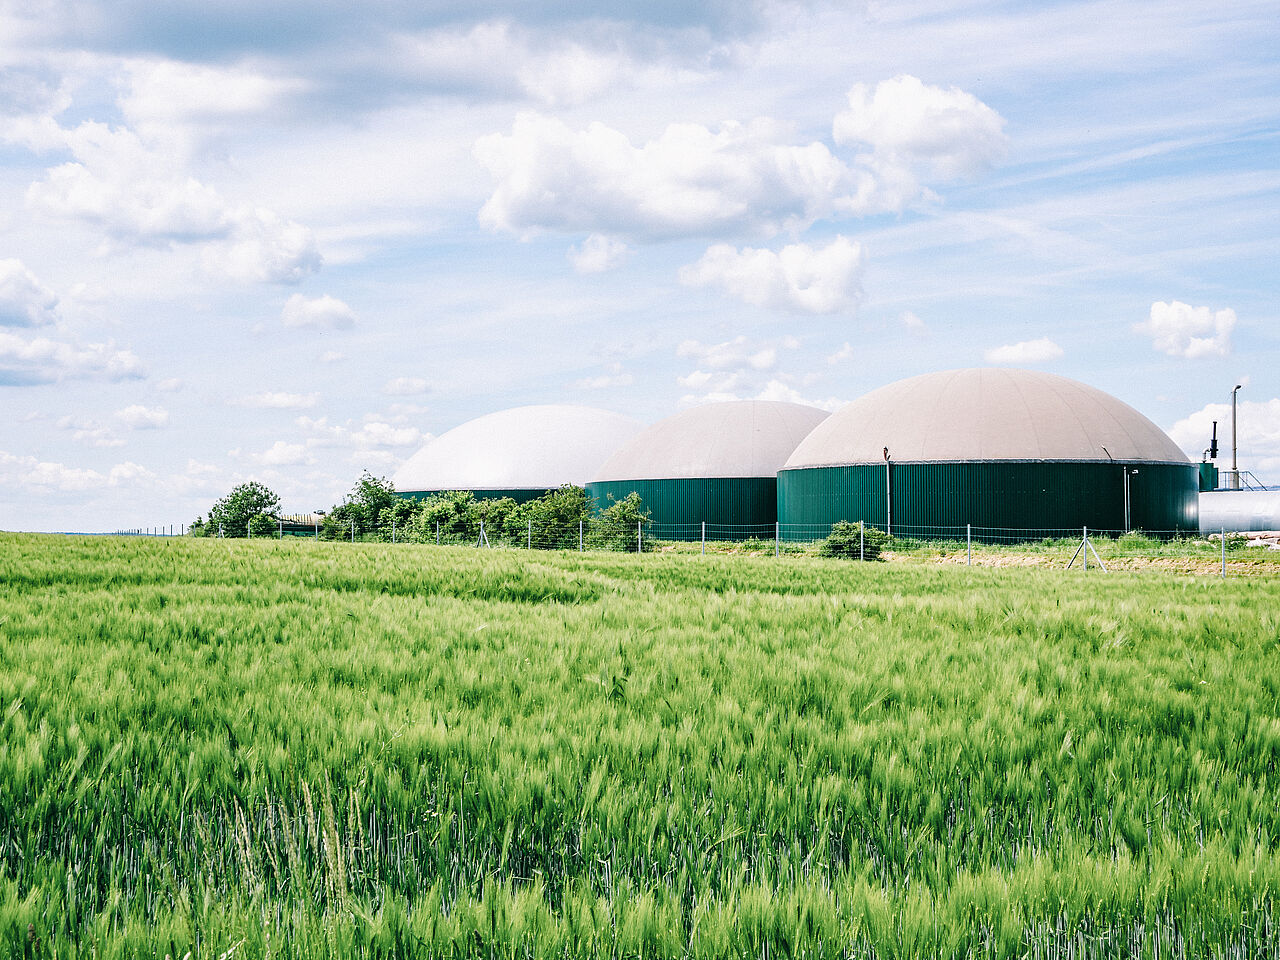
(854, 541)
(615, 528)
(555, 517)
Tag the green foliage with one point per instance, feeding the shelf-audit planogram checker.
(616, 526)
(854, 541)
(260, 526)
(314, 750)
(364, 505)
(555, 517)
(231, 515)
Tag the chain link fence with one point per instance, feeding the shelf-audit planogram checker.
(1083, 549)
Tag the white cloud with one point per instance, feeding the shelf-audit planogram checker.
(405, 386)
(688, 182)
(169, 385)
(1181, 330)
(143, 418)
(317, 312)
(24, 301)
(616, 377)
(778, 390)
(89, 432)
(140, 195)
(370, 435)
(332, 356)
(29, 473)
(798, 277)
(911, 321)
(43, 360)
(162, 93)
(272, 400)
(1026, 351)
(915, 130)
(1258, 435)
(597, 254)
(283, 454)
(840, 356)
(738, 352)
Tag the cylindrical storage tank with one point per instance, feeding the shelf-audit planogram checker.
(1240, 511)
(1017, 454)
(715, 464)
(519, 453)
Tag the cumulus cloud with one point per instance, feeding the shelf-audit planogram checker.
(778, 390)
(1181, 330)
(911, 321)
(405, 386)
(317, 312)
(332, 356)
(597, 254)
(170, 385)
(1026, 351)
(89, 432)
(30, 473)
(845, 352)
(370, 441)
(274, 400)
(138, 195)
(798, 277)
(690, 181)
(738, 352)
(1258, 434)
(24, 301)
(913, 130)
(160, 93)
(279, 454)
(143, 418)
(26, 362)
(740, 178)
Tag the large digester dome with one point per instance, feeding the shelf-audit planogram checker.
(716, 463)
(1030, 453)
(521, 453)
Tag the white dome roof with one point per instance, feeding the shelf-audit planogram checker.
(985, 414)
(742, 438)
(524, 448)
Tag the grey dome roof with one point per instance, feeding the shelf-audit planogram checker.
(985, 414)
(741, 438)
(524, 448)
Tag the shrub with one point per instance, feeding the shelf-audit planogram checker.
(854, 541)
(616, 527)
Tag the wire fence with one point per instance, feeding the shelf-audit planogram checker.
(1219, 553)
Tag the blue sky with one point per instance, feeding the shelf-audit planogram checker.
(289, 242)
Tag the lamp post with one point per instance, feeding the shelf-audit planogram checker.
(1235, 467)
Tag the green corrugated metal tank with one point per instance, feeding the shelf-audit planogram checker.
(716, 463)
(1017, 454)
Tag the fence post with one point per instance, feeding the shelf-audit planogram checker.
(777, 536)
(437, 533)
(862, 540)
(353, 530)
(704, 538)
(639, 538)
(393, 529)
(1085, 541)
(529, 540)
(317, 530)
(968, 539)
(219, 530)
(579, 536)
(248, 529)
(1224, 553)
(281, 528)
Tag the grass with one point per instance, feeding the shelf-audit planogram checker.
(299, 749)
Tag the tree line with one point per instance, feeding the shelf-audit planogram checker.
(559, 519)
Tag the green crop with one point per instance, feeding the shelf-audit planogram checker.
(310, 749)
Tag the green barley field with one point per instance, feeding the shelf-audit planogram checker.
(234, 749)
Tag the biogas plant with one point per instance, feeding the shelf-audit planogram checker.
(1012, 454)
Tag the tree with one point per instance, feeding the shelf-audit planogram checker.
(555, 517)
(232, 514)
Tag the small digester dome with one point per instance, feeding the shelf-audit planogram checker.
(521, 452)
(716, 463)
